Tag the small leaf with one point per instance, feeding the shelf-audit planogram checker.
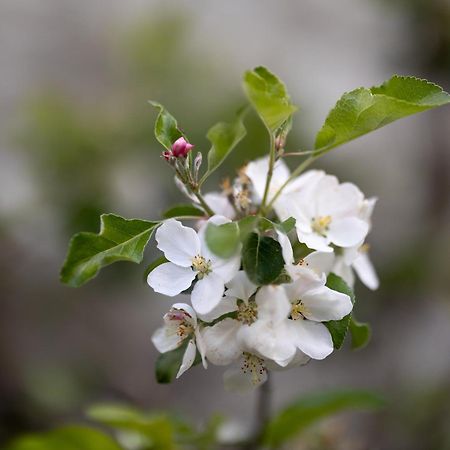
(71, 437)
(269, 97)
(262, 258)
(166, 127)
(311, 408)
(246, 226)
(360, 333)
(168, 363)
(183, 211)
(119, 240)
(223, 240)
(224, 137)
(338, 328)
(363, 110)
(287, 225)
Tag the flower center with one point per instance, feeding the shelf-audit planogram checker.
(298, 310)
(321, 224)
(254, 366)
(201, 265)
(247, 313)
(184, 329)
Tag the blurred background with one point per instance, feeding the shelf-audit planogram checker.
(76, 139)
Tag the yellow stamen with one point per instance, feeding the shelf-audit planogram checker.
(321, 224)
(298, 310)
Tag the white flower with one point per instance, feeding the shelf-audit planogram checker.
(326, 212)
(219, 203)
(257, 172)
(190, 258)
(222, 345)
(180, 323)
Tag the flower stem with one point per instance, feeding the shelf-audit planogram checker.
(269, 173)
(294, 174)
(203, 203)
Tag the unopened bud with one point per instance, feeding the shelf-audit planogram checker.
(180, 148)
(197, 162)
(280, 142)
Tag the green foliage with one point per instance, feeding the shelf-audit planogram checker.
(246, 226)
(269, 97)
(309, 409)
(363, 110)
(155, 431)
(183, 211)
(262, 258)
(360, 332)
(265, 224)
(338, 328)
(166, 127)
(224, 137)
(223, 240)
(119, 240)
(66, 438)
(168, 363)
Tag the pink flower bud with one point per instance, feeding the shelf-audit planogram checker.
(180, 148)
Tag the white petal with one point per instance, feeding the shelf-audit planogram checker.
(236, 380)
(220, 204)
(170, 279)
(226, 268)
(320, 262)
(304, 181)
(342, 269)
(188, 358)
(240, 286)
(286, 248)
(314, 241)
(179, 243)
(201, 347)
(207, 293)
(347, 232)
(188, 309)
(324, 304)
(367, 209)
(312, 338)
(273, 304)
(366, 272)
(269, 340)
(338, 200)
(305, 280)
(226, 305)
(222, 346)
(300, 359)
(166, 339)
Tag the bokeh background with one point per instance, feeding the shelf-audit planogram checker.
(76, 140)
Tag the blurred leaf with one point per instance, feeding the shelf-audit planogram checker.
(119, 240)
(153, 265)
(338, 328)
(262, 258)
(166, 127)
(360, 333)
(246, 226)
(311, 408)
(67, 438)
(265, 224)
(168, 363)
(183, 211)
(157, 429)
(363, 110)
(269, 97)
(223, 240)
(224, 137)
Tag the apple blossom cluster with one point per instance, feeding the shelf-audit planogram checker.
(229, 317)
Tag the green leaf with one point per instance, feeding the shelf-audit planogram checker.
(223, 240)
(363, 110)
(66, 438)
(166, 127)
(360, 333)
(286, 226)
(168, 363)
(311, 408)
(119, 240)
(157, 430)
(183, 211)
(246, 226)
(269, 97)
(338, 328)
(262, 258)
(224, 137)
